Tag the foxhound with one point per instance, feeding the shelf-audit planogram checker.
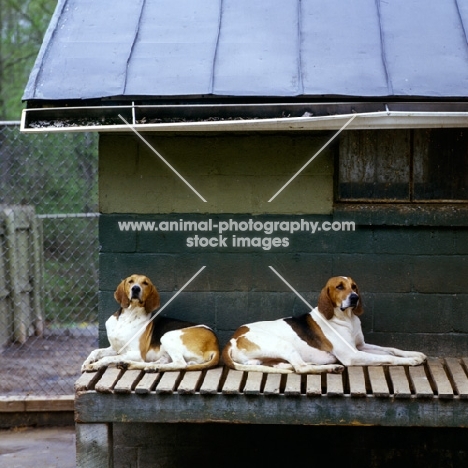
(164, 344)
(323, 340)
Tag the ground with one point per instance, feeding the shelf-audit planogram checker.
(47, 365)
(51, 447)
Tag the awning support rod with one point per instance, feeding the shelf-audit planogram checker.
(312, 158)
(161, 158)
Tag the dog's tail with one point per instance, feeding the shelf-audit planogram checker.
(228, 361)
(211, 360)
(226, 358)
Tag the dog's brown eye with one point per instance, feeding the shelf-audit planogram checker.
(130, 281)
(145, 283)
(340, 287)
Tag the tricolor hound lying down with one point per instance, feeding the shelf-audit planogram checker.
(163, 345)
(320, 341)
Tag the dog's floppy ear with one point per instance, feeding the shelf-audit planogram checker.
(121, 296)
(152, 299)
(325, 304)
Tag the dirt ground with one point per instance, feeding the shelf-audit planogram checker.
(44, 447)
(47, 365)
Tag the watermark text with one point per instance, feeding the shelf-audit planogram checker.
(247, 233)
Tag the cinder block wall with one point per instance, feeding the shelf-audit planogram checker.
(411, 269)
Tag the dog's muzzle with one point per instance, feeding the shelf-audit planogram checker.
(135, 292)
(351, 301)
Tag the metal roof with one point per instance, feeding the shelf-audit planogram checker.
(313, 49)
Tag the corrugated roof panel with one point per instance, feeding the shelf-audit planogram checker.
(175, 48)
(426, 49)
(357, 48)
(341, 50)
(258, 49)
(462, 6)
(88, 51)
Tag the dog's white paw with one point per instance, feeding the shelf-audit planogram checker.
(93, 367)
(318, 369)
(283, 365)
(417, 360)
(336, 369)
(422, 357)
(414, 358)
(152, 368)
(90, 360)
(87, 366)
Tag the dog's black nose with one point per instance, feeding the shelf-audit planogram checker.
(135, 291)
(353, 299)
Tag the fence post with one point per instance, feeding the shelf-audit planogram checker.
(23, 256)
(38, 271)
(6, 310)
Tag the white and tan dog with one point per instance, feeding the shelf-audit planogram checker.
(323, 340)
(165, 344)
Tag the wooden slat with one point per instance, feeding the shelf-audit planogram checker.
(335, 385)
(272, 384)
(10, 404)
(378, 381)
(313, 385)
(146, 384)
(254, 383)
(189, 383)
(442, 383)
(458, 376)
(128, 381)
(211, 382)
(293, 385)
(45, 403)
(86, 381)
(168, 382)
(107, 381)
(421, 384)
(357, 381)
(233, 382)
(36, 403)
(401, 387)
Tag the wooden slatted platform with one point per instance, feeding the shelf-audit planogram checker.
(432, 395)
(435, 394)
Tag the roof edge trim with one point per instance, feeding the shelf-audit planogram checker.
(369, 120)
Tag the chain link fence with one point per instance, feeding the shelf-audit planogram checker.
(48, 259)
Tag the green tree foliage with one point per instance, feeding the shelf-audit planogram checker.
(55, 173)
(23, 24)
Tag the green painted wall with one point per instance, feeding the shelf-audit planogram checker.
(411, 264)
(413, 279)
(234, 173)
